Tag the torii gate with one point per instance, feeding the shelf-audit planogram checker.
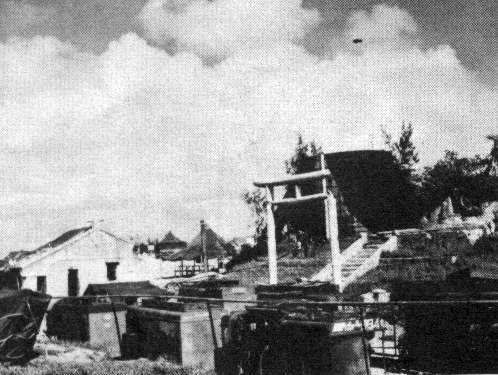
(330, 208)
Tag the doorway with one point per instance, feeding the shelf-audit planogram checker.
(73, 283)
(41, 284)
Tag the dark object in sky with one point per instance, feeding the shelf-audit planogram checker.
(357, 40)
(21, 313)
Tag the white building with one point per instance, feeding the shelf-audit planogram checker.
(88, 255)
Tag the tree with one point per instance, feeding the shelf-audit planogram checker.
(404, 149)
(308, 218)
(255, 199)
(300, 161)
(463, 179)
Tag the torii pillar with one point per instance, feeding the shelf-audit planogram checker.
(333, 237)
(270, 233)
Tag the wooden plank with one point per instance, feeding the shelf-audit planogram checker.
(293, 179)
(304, 198)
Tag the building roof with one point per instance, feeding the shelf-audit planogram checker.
(124, 288)
(375, 189)
(17, 256)
(64, 237)
(215, 246)
(13, 259)
(170, 238)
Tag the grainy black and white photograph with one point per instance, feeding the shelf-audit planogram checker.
(248, 187)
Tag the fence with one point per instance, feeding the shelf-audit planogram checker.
(236, 336)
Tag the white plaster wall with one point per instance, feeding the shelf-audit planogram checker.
(147, 267)
(88, 255)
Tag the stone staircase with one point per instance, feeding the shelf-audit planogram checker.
(352, 264)
(365, 259)
(361, 257)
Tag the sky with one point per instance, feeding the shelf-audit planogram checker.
(151, 115)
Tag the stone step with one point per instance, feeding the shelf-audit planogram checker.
(352, 264)
(365, 255)
(359, 258)
(349, 270)
(368, 250)
(356, 261)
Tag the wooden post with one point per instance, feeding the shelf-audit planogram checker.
(297, 189)
(327, 221)
(118, 330)
(324, 191)
(272, 243)
(203, 244)
(366, 355)
(211, 322)
(334, 239)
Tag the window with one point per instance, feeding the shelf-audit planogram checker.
(111, 270)
(20, 281)
(41, 284)
(73, 282)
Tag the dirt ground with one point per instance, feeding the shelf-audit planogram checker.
(64, 358)
(56, 357)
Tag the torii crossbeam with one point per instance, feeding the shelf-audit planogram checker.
(330, 208)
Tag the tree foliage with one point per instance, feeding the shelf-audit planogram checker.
(403, 149)
(465, 180)
(255, 199)
(308, 218)
(300, 161)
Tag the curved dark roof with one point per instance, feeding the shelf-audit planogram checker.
(375, 189)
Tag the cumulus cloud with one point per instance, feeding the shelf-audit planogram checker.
(217, 29)
(149, 140)
(18, 16)
(382, 23)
